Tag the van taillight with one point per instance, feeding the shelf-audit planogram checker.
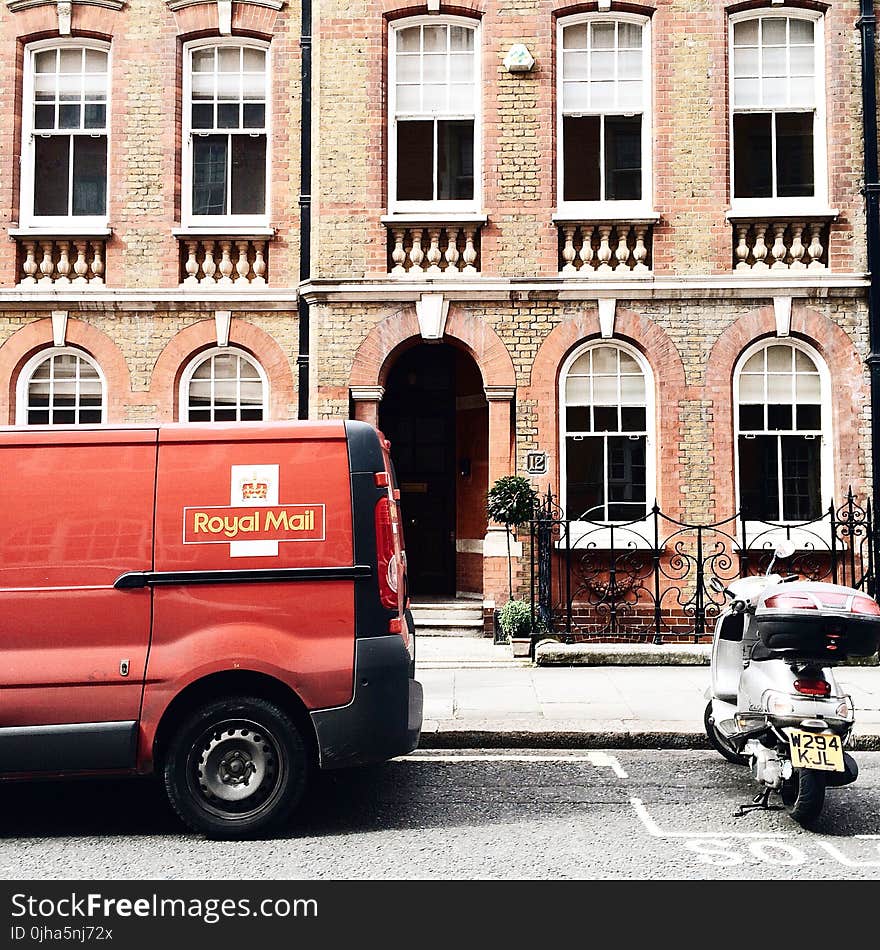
(386, 553)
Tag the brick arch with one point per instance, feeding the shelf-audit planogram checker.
(199, 21)
(87, 21)
(669, 378)
(848, 390)
(563, 8)
(23, 344)
(396, 10)
(200, 336)
(382, 344)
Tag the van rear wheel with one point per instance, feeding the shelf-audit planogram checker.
(236, 768)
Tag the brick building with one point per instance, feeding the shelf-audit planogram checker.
(622, 241)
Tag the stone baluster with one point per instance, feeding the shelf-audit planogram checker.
(470, 252)
(209, 265)
(29, 265)
(797, 249)
(80, 265)
(621, 252)
(97, 263)
(759, 251)
(259, 264)
(63, 266)
(604, 252)
(434, 256)
(586, 253)
(398, 255)
(451, 254)
(226, 266)
(640, 251)
(192, 265)
(815, 250)
(243, 265)
(47, 265)
(416, 254)
(779, 250)
(742, 248)
(568, 251)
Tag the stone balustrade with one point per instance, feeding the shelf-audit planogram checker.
(760, 246)
(53, 262)
(603, 249)
(434, 250)
(223, 262)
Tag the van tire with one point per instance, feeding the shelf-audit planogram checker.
(218, 749)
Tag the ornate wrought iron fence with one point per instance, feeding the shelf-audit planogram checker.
(650, 578)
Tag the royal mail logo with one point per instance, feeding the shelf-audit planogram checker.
(254, 523)
(222, 525)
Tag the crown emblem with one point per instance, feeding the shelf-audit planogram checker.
(254, 487)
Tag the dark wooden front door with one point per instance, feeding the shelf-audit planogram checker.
(418, 416)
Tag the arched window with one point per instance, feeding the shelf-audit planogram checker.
(61, 386)
(607, 421)
(434, 107)
(777, 106)
(223, 385)
(782, 398)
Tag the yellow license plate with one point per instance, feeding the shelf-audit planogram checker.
(815, 750)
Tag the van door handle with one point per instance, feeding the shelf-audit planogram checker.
(123, 667)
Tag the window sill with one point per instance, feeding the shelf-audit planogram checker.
(606, 212)
(776, 210)
(224, 231)
(60, 231)
(434, 217)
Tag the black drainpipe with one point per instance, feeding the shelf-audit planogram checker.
(305, 205)
(868, 25)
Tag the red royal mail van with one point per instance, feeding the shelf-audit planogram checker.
(222, 604)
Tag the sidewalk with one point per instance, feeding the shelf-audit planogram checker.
(477, 696)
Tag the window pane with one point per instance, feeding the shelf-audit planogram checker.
(248, 174)
(461, 38)
(745, 33)
(434, 67)
(759, 477)
(228, 59)
(95, 116)
(809, 418)
(51, 175)
(434, 38)
(779, 388)
(577, 390)
(203, 116)
(575, 96)
(752, 156)
(70, 61)
(751, 418)
(69, 116)
(253, 60)
(779, 359)
(774, 32)
(794, 154)
(415, 161)
(779, 418)
(228, 115)
(623, 158)
(629, 36)
(46, 61)
(633, 419)
(577, 418)
(632, 389)
(254, 115)
(580, 172)
(605, 359)
(800, 478)
(605, 390)
(602, 35)
(807, 388)
(801, 31)
(751, 388)
(90, 175)
(626, 478)
(576, 66)
(575, 37)
(209, 174)
(601, 66)
(585, 484)
(455, 172)
(746, 63)
(605, 419)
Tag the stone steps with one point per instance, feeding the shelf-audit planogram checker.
(448, 618)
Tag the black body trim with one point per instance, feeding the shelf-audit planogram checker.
(135, 579)
(71, 747)
(384, 717)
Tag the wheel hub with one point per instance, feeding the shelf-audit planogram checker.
(234, 762)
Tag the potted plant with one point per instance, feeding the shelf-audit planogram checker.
(515, 622)
(511, 501)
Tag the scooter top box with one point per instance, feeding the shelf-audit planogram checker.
(816, 621)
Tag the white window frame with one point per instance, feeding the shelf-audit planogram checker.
(583, 533)
(196, 362)
(609, 210)
(228, 223)
(82, 225)
(818, 202)
(826, 451)
(24, 378)
(438, 207)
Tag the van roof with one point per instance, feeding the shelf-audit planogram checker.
(172, 432)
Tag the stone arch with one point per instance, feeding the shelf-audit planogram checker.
(200, 336)
(376, 353)
(24, 343)
(662, 355)
(849, 390)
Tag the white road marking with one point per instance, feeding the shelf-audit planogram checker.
(843, 859)
(657, 832)
(598, 759)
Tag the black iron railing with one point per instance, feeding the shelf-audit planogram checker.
(649, 578)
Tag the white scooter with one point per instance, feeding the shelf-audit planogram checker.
(774, 703)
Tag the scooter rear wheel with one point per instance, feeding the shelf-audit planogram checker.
(719, 742)
(804, 795)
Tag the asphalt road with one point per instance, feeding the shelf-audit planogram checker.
(495, 814)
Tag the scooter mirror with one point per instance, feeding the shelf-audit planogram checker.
(716, 585)
(784, 549)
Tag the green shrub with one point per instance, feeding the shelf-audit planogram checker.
(515, 619)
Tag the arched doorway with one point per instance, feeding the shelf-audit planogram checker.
(436, 416)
